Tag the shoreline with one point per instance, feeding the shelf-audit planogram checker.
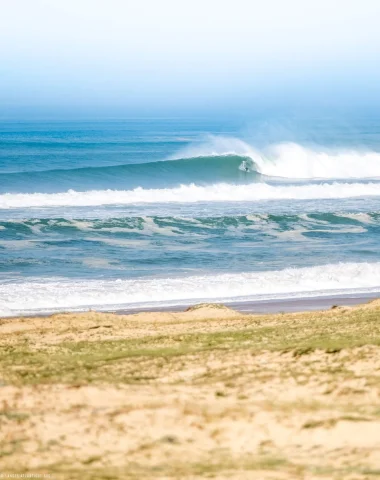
(259, 307)
(286, 305)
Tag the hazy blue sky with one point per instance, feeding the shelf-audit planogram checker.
(144, 55)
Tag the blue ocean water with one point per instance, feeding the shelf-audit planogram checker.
(139, 213)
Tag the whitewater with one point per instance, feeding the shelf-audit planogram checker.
(191, 193)
(128, 214)
(58, 294)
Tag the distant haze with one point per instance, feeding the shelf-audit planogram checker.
(152, 56)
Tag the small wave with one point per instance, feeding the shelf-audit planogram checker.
(190, 193)
(275, 224)
(69, 294)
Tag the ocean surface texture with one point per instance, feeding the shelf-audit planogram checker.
(147, 213)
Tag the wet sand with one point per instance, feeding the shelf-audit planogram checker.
(272, 306)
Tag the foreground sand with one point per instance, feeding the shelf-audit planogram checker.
(209, 393)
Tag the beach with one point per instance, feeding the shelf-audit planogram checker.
(165, 314)
(190, 240)
(205, 393)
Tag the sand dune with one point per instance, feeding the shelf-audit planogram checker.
(206, 393)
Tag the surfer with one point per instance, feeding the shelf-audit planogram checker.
(244, 166)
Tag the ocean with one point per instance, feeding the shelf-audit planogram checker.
(147, 213)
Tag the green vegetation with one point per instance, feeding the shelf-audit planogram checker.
(127, 361)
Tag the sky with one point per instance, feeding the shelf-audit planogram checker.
(171, 55)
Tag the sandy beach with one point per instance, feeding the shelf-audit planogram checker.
(206, 393)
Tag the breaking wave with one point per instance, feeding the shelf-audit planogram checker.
(294, 161)
(222, 192)
(60, 294)
(203, 170)
(219, 160)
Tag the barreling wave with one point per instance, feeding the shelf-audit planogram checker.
(69, 294)
(292, 160)
(222, 192)
(218, 161)
(202, 170)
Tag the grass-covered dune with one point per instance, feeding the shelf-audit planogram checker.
(207, 393)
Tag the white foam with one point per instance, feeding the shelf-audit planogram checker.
(120, 242)
(18, 244)
(290, 160)
(67, 294)
(221, 192)
(96, 262)
(359, 217)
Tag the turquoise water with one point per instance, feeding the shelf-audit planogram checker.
(138, 213)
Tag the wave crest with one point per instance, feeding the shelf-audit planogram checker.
(203, 170)
(214, 162)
